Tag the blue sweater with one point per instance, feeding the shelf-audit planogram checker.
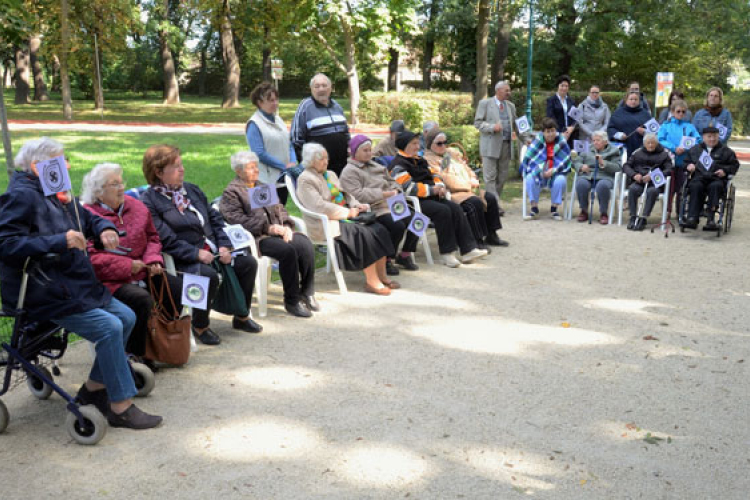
(671, 134)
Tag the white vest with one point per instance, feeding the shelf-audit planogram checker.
(276, 143)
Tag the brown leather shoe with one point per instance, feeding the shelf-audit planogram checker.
(377, 291)
(583, 216)
(604, 219)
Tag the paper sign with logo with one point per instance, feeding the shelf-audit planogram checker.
(263, 196)
(722, 131)
(652, 126)
(237, 235)
(581, 147)
(53, 175)
(575, 114)
(687, 142)
(657, 177)
(195, 291)
(523, 124)
(419, 224)
(706, 160)
(398, 207)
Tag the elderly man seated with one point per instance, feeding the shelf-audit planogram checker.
(711, 180)
(67, 292)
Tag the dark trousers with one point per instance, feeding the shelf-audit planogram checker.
(245, 267)
(396, 230)
(480, 221)
(635, 191)
(296, 264)
(140, 301)
(451, 226)
(698, 189)
(283, 193)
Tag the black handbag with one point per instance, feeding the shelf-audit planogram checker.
(365, 218)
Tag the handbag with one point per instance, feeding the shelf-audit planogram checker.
(168, 340)
(365, 218)
(230, 299)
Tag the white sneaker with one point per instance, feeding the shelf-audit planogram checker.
(450, 260)
(531, 216)
(473, 255)
(556, 216)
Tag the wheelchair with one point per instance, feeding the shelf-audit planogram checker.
(724, 213)
(29, 346)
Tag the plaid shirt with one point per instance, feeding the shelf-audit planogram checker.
(535, 160)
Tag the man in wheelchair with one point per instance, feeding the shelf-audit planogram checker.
(710, 165)
(52, 231)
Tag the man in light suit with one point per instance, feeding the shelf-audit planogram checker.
(495, 119)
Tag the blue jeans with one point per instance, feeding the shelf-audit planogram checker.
(108, 328)
(535, 183)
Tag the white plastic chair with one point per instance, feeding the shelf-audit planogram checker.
(525, 199)
(613, 195)
(423, 239)
(332, 263)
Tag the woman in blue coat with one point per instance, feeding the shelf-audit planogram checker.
(670, 136)
(627, 123)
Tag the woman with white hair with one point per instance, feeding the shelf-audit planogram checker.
(608, 159)
(638, 170)
(273, 230)
(65, 289)
(358, 246)
(138, 257)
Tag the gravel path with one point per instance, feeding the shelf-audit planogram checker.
(539, 372)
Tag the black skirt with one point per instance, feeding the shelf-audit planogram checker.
(359, 246)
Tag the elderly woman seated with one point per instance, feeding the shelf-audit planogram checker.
(482, 209)
(369, 182)
(192, 232)
(417, 178)
(274, 234)
(638, 170)
(358, 246)
(66, 290)
(546, 163)
(607, 157)
(123, 271)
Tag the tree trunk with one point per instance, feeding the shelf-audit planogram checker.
(231, 63)
(64, 47)
(483, 33)
(171, 91)
(7, 74)
(429, 46)
(96, 62)
(22, 76)
(55, 83)
(393, 70)
(267, 75)
(6, 133)
(351, 71)
(566, 36)
(40, 88)
(202, 75)
(502, 41)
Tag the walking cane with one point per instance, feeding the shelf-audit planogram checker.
(593, 187)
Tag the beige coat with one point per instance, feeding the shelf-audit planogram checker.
(313, 193)
(455, 173)
(487, 115)
(366, 182)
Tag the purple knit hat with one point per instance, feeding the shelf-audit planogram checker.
(356, 142)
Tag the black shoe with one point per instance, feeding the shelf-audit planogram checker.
(640, 224)
(501, 213)
(494, 240)
(208, 337)
(99, 398)
(133, 418)
(710, 226)
(691, 222)
(390, 268)
(482, 246)
(247, 325)
(631, 222)
(311, 303)
(407, 263)
(299, 309)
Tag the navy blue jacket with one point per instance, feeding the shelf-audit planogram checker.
(32, 225)
(555, 110)
(626, 120)
(182, 234)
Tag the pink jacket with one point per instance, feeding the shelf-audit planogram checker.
(115, 270)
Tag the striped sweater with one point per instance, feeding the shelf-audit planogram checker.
(415, 176)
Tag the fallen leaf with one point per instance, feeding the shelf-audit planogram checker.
(583, 481)
(650, 337)
(741, 361)
(631, 426)
(182, 474)
(565, 324)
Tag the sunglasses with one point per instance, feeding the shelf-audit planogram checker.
(441, 143)
(680, 111)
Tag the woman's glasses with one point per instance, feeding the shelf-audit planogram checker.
(115, 185)
(441, 143)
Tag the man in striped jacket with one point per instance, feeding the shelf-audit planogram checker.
(321, 119)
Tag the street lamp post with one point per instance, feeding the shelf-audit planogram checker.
(530, 61)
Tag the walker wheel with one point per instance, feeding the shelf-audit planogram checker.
(38, 387)
(94, 426)
(4, 417)
(143, 378)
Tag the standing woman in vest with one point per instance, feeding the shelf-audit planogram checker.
(268, 138)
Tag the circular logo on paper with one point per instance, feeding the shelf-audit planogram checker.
(658, 179)
(54, 177)
(653, 127)
(237, 235)
(689, 143)
(523, 126)
(706, 161)
(399, 208)
(195, 293)
(418, 225)
(261, 195)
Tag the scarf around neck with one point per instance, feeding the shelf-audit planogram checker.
(336, 195)
(177, 194)
(594, 103)
(715, 111)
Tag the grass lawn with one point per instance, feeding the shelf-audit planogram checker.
(124, 107)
